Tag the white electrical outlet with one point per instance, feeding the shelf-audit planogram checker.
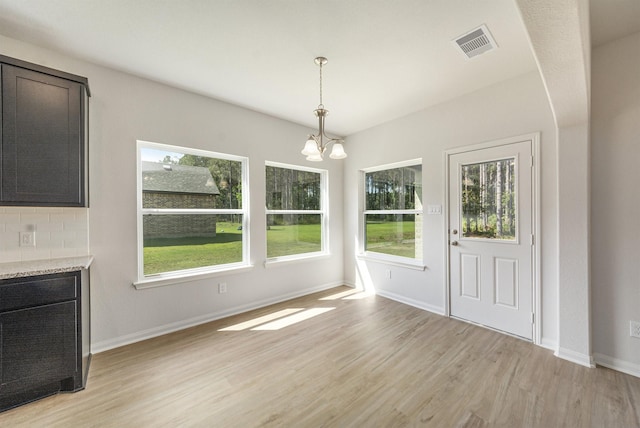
(634, 329)
(222, 288)
(28, 239)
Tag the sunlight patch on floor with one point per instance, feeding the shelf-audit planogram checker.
(340, 295)
(360, 295)
(293, 319)
(261, 320)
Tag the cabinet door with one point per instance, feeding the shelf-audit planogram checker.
(38, 346)
(42, 139)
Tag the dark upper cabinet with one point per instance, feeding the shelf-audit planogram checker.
(43, 152)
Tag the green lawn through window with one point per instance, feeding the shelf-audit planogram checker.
(387, 238)
(295, 239)
(173, 254)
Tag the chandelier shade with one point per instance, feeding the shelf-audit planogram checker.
(337, 151)
(316, 145)
(310, 147)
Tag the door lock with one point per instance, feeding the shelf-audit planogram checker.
(454, 243)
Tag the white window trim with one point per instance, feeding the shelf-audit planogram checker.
(174, 277)
(323, 211)
(189, 275)
(389, 259)
(394, 165)
(296, 258)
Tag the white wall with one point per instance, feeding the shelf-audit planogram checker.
(559, 37)
(574, 329)
(515, 107)
(124, 108)
(615, 202)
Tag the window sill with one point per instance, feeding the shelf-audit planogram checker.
(287, 260)
(164, 280)
(405, 263)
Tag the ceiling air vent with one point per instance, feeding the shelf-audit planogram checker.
(476, 42)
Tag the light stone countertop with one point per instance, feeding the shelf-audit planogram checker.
(44, 267)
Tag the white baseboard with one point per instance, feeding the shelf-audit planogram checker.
(127, 339)
(575, 357)
(617, 364)
(549, 344)
(411, 302)
(351, 284)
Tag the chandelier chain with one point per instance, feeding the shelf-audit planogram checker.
(321, 105)
(316, 145)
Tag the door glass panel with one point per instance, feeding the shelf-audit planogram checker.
(488, 192)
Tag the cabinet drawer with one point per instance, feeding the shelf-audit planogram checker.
(33, 291)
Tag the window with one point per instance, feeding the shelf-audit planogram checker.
(489, 200)
(192, 211)
(296, 211)
(392, 215)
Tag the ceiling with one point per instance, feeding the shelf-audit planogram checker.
(386, 58)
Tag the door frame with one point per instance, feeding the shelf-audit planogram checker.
(535, 205)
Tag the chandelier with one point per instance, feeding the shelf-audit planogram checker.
(316, 145)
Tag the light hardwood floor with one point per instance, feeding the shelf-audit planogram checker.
(369, 362)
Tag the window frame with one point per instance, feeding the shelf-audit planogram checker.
(363, 254)
(323, 212)
(166, 278)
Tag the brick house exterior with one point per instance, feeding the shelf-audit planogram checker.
(178, 186)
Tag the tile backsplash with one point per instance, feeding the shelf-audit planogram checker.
(59, 232)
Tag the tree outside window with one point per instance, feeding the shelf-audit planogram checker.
(489, 200)
(393, 211)
(192, 210)
(296, 210)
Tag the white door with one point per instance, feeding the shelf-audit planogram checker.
(490, 237)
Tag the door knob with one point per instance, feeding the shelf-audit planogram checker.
(454, 243)
(454, 231)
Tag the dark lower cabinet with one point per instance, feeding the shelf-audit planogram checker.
(41, 346)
